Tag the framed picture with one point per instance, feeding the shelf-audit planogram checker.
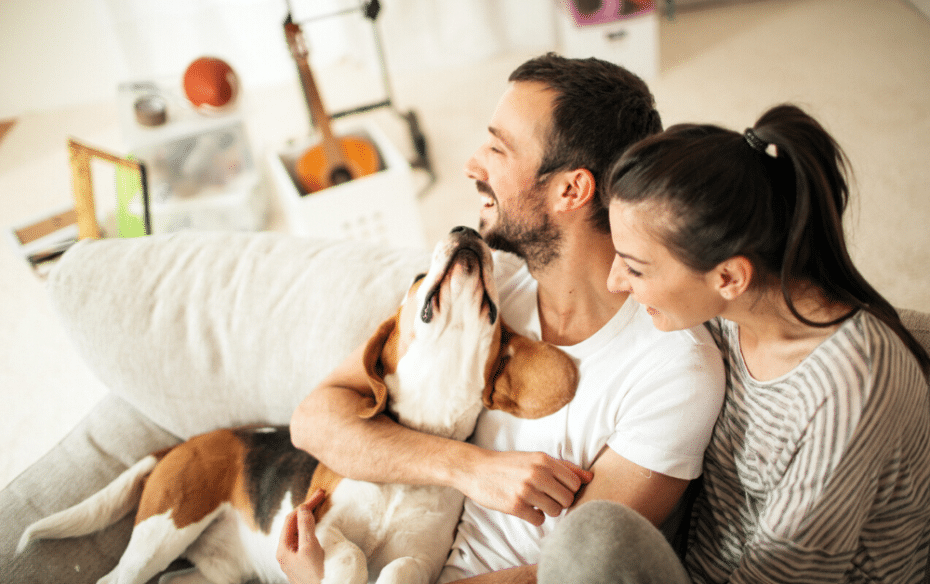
(123, 213)
(42, 239)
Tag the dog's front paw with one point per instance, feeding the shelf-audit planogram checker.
(345, 564)
(346, 569)
(405, 570)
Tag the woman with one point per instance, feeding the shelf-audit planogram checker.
(819, 466)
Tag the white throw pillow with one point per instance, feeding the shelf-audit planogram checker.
(205, 330)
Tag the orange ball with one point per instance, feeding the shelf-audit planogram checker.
(210, 83)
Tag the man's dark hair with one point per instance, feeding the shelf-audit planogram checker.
(600, 109)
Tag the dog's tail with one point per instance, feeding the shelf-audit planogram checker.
(96, 512)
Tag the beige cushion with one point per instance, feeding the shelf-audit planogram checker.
(919, 325)
(205, 330)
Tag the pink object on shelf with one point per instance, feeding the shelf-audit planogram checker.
(586, 12)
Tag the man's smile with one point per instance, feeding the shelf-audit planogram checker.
(488, 198)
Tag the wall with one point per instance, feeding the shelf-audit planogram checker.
(60, 53)
(54, 54)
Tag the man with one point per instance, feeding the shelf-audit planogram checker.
(636, 430)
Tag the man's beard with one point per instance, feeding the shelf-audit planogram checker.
(527, 232)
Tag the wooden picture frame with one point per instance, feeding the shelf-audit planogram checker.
(80, 157)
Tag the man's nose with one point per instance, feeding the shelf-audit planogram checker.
(474, 170)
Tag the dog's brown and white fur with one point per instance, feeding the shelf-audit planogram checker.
(220, 499)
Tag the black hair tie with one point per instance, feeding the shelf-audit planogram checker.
(755, 141)
(760, 145)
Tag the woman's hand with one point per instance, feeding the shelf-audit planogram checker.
(528, 485)
(299, 552)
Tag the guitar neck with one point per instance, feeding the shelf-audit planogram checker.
(312, 95)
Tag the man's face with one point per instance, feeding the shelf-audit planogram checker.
(515, 214)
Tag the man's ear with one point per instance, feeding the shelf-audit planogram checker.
(530, 379)
(576, 189)
(732, 277)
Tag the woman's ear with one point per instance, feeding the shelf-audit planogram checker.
(577, 188)
(733, 277)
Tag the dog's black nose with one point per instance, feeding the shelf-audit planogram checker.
(463, 229)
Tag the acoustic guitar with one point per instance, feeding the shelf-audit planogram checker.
(336, 159)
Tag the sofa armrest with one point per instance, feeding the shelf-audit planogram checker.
(113, 436)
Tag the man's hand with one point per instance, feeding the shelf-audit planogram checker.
(326, 424)
(299, 552)
(528, 485)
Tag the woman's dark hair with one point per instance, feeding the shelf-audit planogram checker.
(599, 110)
(775, 195)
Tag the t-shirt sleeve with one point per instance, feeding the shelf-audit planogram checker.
(669, 412)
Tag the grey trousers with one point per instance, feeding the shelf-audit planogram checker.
(607, 543)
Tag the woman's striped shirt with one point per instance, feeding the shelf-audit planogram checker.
(821, 475)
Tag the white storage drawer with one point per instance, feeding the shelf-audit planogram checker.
(632, 42)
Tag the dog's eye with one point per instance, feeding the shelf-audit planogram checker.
(418, 278)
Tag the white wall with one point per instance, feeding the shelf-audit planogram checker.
(60, 53)
(53, 54)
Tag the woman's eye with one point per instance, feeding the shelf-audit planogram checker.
(633, 272)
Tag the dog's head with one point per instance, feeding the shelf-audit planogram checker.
(446, 350)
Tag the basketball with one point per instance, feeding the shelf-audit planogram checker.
(210, 83)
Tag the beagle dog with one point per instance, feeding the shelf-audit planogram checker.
(220, 499)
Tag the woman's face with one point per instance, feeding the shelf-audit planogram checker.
(674, 295)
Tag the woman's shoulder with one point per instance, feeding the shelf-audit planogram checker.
(720, 329)
(886, 354)
(864, 362)
(866, 335)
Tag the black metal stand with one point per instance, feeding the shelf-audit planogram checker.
(371, 10)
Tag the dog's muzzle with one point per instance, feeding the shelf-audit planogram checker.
(468, 254)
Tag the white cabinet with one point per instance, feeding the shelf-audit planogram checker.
(381, 207)
(632, 42)
(200, 170)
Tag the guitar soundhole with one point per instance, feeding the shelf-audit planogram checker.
(339, 176)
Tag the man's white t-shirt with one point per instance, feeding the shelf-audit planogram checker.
(650, 396)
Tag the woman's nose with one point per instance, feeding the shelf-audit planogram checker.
(617, 281)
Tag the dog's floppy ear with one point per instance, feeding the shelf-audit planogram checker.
(529, 379)
(383, 342)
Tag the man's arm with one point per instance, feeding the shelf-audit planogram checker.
(653, 495)
(326, 424)
(519, 575)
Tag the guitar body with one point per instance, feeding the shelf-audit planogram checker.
(316, 170)
(335, 160)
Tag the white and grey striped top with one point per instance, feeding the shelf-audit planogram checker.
(821, 475)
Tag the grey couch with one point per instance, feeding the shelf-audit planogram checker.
(192, 332)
